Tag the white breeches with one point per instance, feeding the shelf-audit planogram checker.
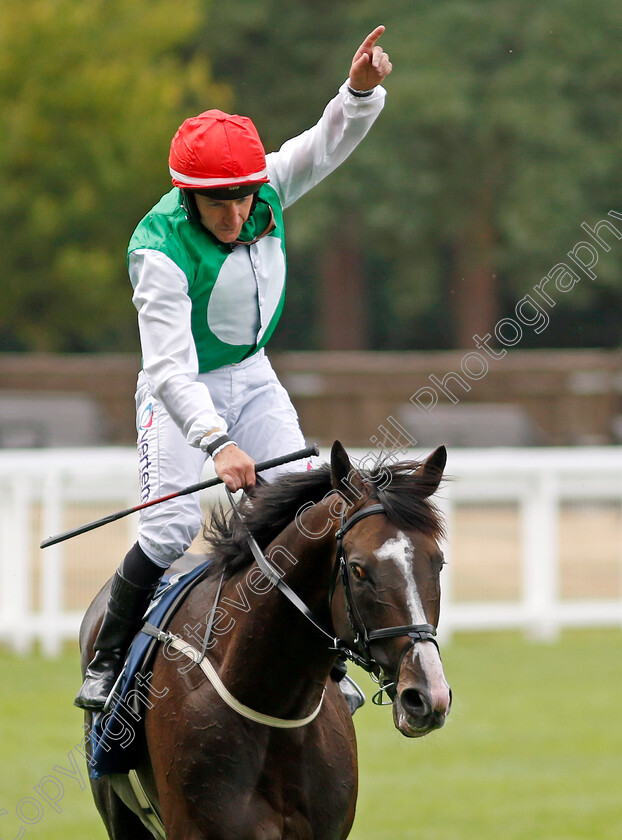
(260, 419)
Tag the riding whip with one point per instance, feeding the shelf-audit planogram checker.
(307, 452)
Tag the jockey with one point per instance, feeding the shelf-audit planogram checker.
(207, 265)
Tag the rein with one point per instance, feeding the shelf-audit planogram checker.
(363, 638)
(273, 576)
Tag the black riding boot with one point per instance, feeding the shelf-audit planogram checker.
(350, 690)
(126, 606)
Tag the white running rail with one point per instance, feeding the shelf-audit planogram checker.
(41, 489)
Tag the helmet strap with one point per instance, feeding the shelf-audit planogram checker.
(268, 229)
(189, 203)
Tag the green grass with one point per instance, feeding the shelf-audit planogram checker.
(532, 749)
(39, 728)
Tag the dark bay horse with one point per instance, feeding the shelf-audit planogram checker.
(360, 549)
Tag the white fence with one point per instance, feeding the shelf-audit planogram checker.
(507, 513)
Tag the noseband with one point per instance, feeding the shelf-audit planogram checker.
(364, 638)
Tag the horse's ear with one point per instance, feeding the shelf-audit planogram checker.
(431, 471)
(340, 466)
(344, 477)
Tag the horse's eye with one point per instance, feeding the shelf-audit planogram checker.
(358, 571)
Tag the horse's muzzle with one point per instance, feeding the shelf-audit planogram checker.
(418, 712)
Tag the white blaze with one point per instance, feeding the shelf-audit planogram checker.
(401, 551)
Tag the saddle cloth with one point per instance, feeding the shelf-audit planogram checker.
(115, 733)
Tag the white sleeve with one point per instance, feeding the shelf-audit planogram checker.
(304, 161)
(169, 356)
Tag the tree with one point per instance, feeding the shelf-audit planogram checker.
(499, 137)
(284, 61)
(90, 96)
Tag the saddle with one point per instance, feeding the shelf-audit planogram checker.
(114, 732)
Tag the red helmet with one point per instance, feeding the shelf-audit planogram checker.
(217, 151)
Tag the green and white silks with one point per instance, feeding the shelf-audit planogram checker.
(236, 293)
(201, 305)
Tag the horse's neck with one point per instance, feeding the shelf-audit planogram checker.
(274, 656)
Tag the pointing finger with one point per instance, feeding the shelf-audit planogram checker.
(373, 37)
(369, 42)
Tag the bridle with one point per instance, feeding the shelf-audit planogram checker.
(364, 638)
(360, 652)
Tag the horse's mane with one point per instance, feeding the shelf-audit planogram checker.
(273, 506)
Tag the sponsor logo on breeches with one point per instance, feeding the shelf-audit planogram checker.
(144, 462)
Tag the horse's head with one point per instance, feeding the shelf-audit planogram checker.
(390, 564)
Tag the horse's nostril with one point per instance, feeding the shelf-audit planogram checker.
(413, 703)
